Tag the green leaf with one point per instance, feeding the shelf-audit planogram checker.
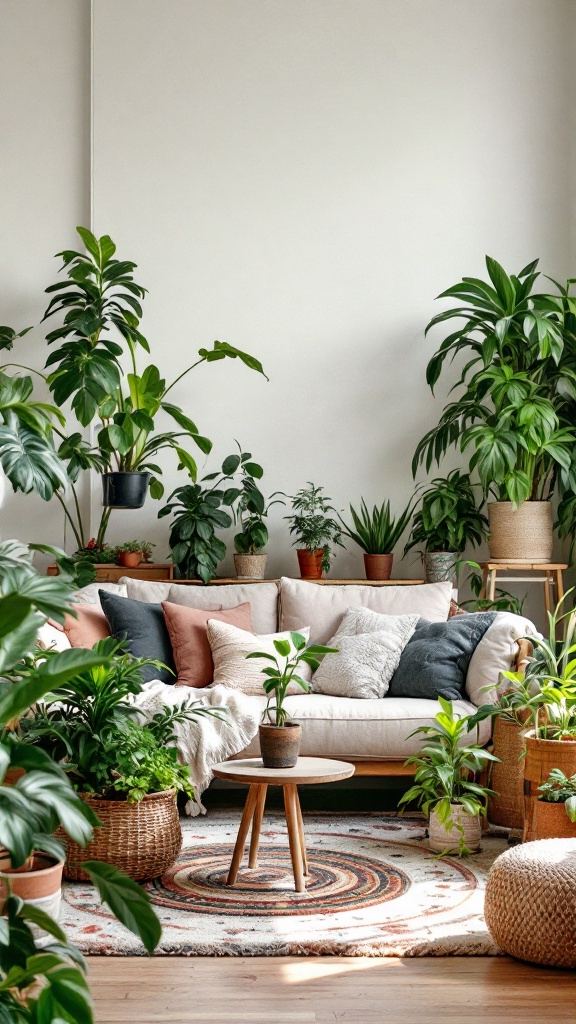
(283, 648)
(127, 901)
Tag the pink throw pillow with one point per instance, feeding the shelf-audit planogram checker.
(187, 628)
(87, 629)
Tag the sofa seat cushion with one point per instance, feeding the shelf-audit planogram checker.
(377, 729)
(322, 606)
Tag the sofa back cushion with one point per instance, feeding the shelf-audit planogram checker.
(91, 593)
(435, 661)
(496, 653)
(262, 598)
(322, 606)
(148, 591)
(142, 626)
(187, 628)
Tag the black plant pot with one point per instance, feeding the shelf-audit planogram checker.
(124, 490)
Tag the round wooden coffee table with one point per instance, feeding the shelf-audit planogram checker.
(306, 772)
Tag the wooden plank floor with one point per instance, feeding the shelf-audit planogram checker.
(324, 990)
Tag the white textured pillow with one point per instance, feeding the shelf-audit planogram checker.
(369, 648)
(322, 606)
(89, 594)
(494, 654)
(230, 645)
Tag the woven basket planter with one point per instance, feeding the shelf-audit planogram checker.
(541, 757)
(250, 567)
(141, 839)
(507, 775)
(443, 840)
(550, 821)
(522, 534)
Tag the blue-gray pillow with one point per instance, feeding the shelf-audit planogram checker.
(142, 626)
(435, 661)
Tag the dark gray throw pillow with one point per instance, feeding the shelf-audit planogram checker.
(435, 661)
(142, 626)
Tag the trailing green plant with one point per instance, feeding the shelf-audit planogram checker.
(284, 670)
(515, 408)
(446, 769)
(377, 532)
(311, 524)
(45, 984)
(449, 517)
(559, 789)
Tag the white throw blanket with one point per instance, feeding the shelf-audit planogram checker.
(207, 740)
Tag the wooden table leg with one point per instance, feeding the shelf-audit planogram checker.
(256, 826)
(301, 833)
(247, 815)
(290, 798)
(547, 578)
(491, 585)
(484, 590)
(559, 585)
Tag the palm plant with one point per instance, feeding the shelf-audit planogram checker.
(517, 395)
(377, 532)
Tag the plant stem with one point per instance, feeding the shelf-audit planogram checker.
(77, 536)
(170, 386)
(103, 527)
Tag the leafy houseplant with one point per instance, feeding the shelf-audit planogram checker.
(101, 305)
(39, 981)
(196, 550)
(444, 786)
(249, 511)
(448, 519)
(555, 811)
(129, 554)
(515, 410)
(314, 529)
(280, 738)
(377, 533)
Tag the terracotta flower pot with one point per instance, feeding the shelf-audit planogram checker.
(280, 745)
(378, 567)
(443, 840)
(38, 882)
(440, 566)
(522, 534)
(129, 559)
(550, 821)
(250, 567)
(310, 563)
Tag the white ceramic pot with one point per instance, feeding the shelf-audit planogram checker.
(443, 839)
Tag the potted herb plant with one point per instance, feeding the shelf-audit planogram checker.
(515, 410)
(447, 520)
(314, 529)
(555, 810)
(280, 738)
(444, 784)
(126, 771)
(129, 554)
(50, 986)
(102, 307)
(377, 533)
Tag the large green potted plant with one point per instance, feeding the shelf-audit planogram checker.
(447, 520)
(514, 411)
(314, 529)
(101, 305)
(444, 784)
(377, 532)
(42, 976)
(280, 737)
(126, 770)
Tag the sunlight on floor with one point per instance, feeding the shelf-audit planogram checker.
(313, 968)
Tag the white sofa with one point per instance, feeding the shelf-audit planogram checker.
(372, 733)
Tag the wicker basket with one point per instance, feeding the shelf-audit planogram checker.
(541, 757)
(142, 839)
(443, 840)
(507, 775)
(550, 821)
(522, 534)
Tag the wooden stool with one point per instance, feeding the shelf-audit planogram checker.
(307, 771)
(550, 575)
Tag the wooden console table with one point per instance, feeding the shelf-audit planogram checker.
(109, 572)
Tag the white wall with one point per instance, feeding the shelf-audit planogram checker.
(301, 179)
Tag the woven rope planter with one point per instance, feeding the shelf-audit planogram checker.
(530, 905)
(250, 567)
(521, 534)
(507, 776)
(141, 839)
(550, 821)
(541, 757)
(443, 840)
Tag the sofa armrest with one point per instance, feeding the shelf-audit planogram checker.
(524, 653)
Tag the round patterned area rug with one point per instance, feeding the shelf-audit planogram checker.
(374, 889)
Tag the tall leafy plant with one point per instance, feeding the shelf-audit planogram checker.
(448, 518)
(514, 414)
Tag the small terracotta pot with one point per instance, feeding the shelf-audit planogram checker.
(250, 567)
(443, 840)
(129, 559)
(378, 567)
(280, 744)
(550, 821)
(310, 563)
(38, 882)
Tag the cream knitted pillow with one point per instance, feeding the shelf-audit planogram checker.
(369, 648)
(230, 645)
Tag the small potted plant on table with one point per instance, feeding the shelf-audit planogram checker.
(314, 529)
(447, 521)
(249, 510)
(280, 738)
(377, 533)
(129, 554)
(444, 783)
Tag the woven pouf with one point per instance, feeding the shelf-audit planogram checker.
(530, 905)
